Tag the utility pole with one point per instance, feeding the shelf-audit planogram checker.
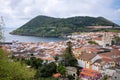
(2, 25)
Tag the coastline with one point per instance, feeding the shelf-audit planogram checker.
(25, 38)
(38, 36)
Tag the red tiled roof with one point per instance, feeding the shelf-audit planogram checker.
(114, 55)
(87, 56)
(98, 38)
(89, 72)
(114, 52)
(48, 58)
(56, 75)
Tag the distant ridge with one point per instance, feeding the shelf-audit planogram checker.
(55, 27)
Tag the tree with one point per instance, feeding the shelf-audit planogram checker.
(46, 70)
(13, 70)
(35, 63)
(78, 73)
(113, 42)
(69, 47)
(69, 59)
(56, 58)
(61, 69)
(70, 77)
(105, 77)
(52, 67)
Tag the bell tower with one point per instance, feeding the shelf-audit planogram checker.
(107, 40)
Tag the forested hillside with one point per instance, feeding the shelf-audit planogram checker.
(55, 27)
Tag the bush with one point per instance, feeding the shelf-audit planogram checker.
(13, 70)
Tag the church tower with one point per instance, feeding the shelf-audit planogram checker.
(106, 39)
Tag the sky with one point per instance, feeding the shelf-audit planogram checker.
(18, 12)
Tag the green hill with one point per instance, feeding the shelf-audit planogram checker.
(56, 27)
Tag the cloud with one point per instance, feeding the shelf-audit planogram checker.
(18, 12)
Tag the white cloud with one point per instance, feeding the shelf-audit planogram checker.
(17, 12)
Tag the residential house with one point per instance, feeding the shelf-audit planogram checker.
(106, 60)
(84, 60)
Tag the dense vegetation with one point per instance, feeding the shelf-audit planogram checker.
(55, 27)
(10, 70)
(44, 70)
(16, 69)
(69, 59)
